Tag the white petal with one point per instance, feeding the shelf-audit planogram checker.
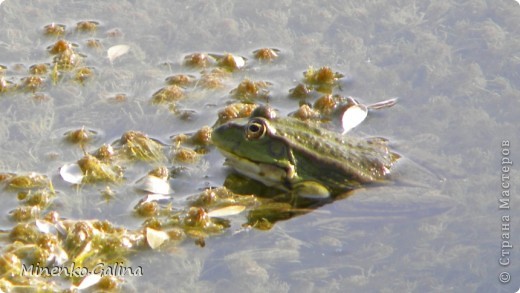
(227, 211)
(239, 61)
(88, 281)
(353, 116)
(155, 238)
(71, 173)
(154, 185)
(156, 197)
(117, 51)
(45, 227)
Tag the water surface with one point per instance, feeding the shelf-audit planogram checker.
(453, 65)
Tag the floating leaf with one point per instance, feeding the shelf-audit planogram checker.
(155, 238)
(353, 116)
(227, 211)
(117, 51)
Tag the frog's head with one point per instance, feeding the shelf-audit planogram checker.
(254, 139)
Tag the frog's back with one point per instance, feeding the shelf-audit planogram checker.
(331, 157)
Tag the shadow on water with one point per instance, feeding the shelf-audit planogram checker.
(275, 205)
(412, 192)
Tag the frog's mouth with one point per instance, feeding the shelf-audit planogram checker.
(268, 174)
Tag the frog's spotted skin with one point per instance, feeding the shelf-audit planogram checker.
(290, 154)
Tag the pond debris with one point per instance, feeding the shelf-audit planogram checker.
(266, 54)
(105, 153)
(25, 213)
(39, 69)
(322, 79)
(306, 112)
(186, 155)
(67, 63)
(109, 283)
(56, 242)
(59, 47)
(82, 74)
(54, 29)
(136, 145)
(168, 94)
(6, 85)
(300, 91)
(329, 103)
(182, 80)
(29, 181)
(198, 60)
(80, 136)
(34, 192)
(249, 91)
(201, 137)
(229, 61)
(234, 111)
(87, 26)
(147, 208)
(32, 83)
(94, 44)
(92, 170)
(67, 60)
(41, 235)
(213, 79)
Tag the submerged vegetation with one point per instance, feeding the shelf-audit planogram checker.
(40, 237)
(128, 169)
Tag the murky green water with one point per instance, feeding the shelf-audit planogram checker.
(453, 64)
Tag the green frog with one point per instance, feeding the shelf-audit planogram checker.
(297, 156)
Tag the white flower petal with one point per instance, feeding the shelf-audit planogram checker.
(72, 173)
(154, 185)
(353, 116)
(117, 51)
(227, 211)
(156, 238)
(88, 281)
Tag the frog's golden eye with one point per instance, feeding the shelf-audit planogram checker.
(255, 129)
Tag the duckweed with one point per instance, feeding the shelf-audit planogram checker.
(266, 54)
(40, 235)
(138, 146)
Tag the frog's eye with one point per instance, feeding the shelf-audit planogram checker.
(255, 129)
